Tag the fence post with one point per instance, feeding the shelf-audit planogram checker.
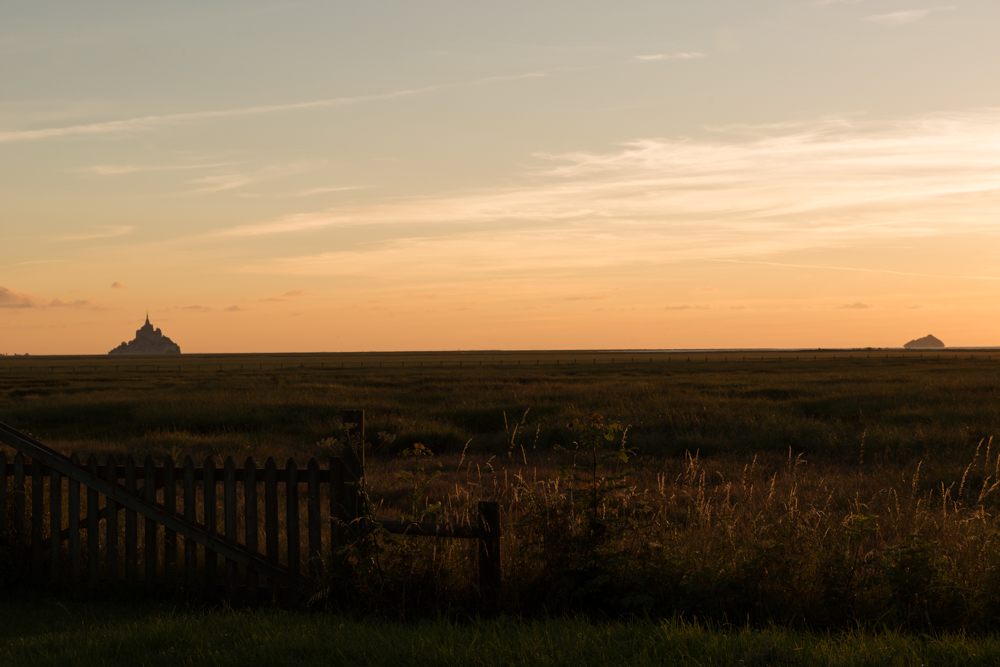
(208, 494)
(292, 516)
(73, 489)
(111, 520)
(312, 505)
(271, 518)
(93, 525)
(250, 523)
(229, 500)
(131, 525)
(490, 565)
(170, 505)
(55, 522)
(150, 527)
(354, 466)
(190, 515)
(18, 497)
(37, 516)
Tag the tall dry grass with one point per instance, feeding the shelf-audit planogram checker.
(821, 543)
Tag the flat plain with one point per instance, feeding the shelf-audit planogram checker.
(816, 490)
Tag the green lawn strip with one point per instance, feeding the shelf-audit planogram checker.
(45, 632)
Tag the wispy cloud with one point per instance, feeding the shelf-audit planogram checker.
(41, 261)
(150, 122)
(747, 193)
(685, 55)
(319, 191)
(122, 169)
(856, 306)
(107, 233)
(905, 17)
(80, 303)
(11, 299)
(117, 285)
(145, 123)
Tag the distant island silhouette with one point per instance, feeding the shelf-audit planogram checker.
(148, 341)
(926, 341)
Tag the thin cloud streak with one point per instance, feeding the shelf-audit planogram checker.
(111, 232)
(686, 55)
(150, 122)
(154, 121)
(854, 269)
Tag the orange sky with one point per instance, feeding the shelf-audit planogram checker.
(545, 176)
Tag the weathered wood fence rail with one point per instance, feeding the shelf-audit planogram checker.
(272, 527)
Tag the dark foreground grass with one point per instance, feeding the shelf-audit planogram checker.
(64, 633)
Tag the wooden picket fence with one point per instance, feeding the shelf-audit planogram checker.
(169, 524)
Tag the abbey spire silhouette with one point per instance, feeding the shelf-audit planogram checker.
(148, 341)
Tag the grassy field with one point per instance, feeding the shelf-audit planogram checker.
(67, 633)
(813, 490)
(903, 405)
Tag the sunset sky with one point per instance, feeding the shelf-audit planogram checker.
(340, 176)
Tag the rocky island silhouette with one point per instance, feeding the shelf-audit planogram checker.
(926, 341)
(148, 341)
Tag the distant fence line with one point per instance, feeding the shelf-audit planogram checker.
(29, 367)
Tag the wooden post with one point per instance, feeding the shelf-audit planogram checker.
(74, 523)
(169, 536)
(55, 522)
(229, 507)
(312, 504)
(336, 503)
(190, 515)
(292, 516)
(131, 526)
(271, 517)
(490, 565)
(37, 516)
(111, 521)
(93, 525)
(208, 493)
(150, 527)
(3, 492)
(250, 514)
(19, 496)
(354, 465)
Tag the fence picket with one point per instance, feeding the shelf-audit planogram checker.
(292, 516)
(169, 536)
(93, 526)
(271, 513)
(73, 508)
(111, 522)
(208, 494)
(250, 514)
(55, 522)
(150, 528)
(131, 526)
(19, 496)
(190, 547)
(229, 507)
(3, 492)
(312, 505)
(37, 516)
